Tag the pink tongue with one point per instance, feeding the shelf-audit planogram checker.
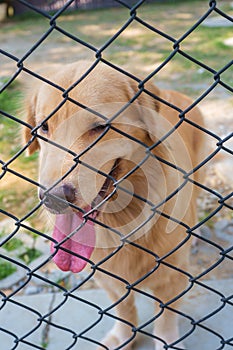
(81, 243)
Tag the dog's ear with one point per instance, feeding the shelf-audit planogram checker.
(29, 110)
(151, 114)
(149, 110)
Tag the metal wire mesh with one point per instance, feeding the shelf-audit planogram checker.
(43, 319)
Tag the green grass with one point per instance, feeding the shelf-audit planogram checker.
(138, 44)
(17, 200)
(29, 255)
(9, 97)
(9, 103)
(13, 244)
(6, 269)
(14, 197)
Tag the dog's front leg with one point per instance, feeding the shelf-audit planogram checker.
(126, 315)
(166, 328)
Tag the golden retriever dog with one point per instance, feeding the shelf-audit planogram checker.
(116, 177)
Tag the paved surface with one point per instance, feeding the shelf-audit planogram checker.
(217, 22)
(77, 315)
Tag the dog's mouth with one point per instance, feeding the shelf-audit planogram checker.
(74, 233)
(107, 189)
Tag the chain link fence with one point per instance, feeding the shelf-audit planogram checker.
(67, 297)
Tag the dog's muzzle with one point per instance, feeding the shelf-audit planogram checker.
(58, 199)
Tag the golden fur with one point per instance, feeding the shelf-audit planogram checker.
(106, 91)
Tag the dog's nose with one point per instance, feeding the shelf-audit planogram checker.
(58, 199)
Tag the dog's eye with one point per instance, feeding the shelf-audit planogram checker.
(98, 128)
(45, 128)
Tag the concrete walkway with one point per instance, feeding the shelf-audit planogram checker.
(218, 21)
(78, 316)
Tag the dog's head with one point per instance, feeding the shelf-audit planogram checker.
(97, 163)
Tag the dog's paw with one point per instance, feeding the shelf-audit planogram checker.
(112, 342)
(161, 346)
